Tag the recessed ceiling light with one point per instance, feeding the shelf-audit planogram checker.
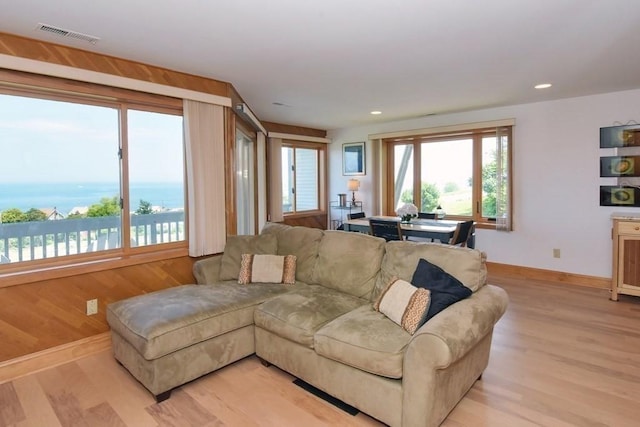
(376, 112)
(543, 86)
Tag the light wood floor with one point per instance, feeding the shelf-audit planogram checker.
(562, 356)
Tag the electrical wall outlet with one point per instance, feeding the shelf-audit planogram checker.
(92, 307)
(556, 253)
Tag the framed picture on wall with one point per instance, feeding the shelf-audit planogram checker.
(614, 166)
(620, 136)
(615, 195)
(353, 158)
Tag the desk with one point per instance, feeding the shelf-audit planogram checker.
(343, 212)
(439, 230)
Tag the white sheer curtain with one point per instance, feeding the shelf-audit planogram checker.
(503, 192)
(204, 141)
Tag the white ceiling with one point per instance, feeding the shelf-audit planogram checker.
(331, 62)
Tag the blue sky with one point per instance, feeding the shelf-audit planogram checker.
(53, 141)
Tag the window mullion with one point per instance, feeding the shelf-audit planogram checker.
(124, 179)
(477, 178)
(294, 189)
(417, 173)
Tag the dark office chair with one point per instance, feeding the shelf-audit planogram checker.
(356, 215)
(388, 230)
(464, 234)
(426, 215)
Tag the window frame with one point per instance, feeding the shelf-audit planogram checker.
(17, 83)
(321, 149)
(476, 135)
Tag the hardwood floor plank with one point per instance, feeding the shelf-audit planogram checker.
(77, 382)
(11, 411)
(204, 391)
(35, 403)
(473, 413)
(125, 396)
(67, 408)
(103, 415)
(181, 410)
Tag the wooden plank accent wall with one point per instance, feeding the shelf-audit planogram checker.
(38, 316)
(313, 221)
(62, 55)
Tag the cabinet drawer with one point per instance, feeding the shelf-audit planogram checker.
(625, 227)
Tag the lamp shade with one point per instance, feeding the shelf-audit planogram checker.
(353, 185)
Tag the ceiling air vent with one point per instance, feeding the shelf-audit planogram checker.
(67, 33)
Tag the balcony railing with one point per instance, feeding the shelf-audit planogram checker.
(26, 241)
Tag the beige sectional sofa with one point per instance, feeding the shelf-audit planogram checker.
(323, 329)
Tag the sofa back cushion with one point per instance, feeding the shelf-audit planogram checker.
(303, 242)
(238, 245)
(349, 262)
(401, 260)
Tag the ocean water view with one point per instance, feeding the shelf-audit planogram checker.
(67, 196)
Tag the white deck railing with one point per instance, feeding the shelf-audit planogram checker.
(25, 241)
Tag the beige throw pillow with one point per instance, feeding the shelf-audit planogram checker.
(267, 269)
(404, 304)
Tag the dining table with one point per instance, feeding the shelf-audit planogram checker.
(437, 229)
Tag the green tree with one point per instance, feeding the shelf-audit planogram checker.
(451, 187)
(12, 215)
(489, 185)
(429, 195)
(490, 189)
(144, 208)
(106, 207)
(76, 215)
(34, 214)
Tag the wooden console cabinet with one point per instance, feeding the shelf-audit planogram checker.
(626, 255)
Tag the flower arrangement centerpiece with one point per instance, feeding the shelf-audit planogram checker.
(407, 211)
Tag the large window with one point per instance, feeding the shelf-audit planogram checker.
(466, 173)
(72, 164)
(301, 177)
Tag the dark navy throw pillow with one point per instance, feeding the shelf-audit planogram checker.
(445, 289)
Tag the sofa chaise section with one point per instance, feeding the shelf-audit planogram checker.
(169, 337)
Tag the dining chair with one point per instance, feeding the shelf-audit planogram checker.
(388, 230)
(464, 232)
(356, 215)
(426, 215)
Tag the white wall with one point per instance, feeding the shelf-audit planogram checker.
(556, 179)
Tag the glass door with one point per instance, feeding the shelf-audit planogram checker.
(245, 182)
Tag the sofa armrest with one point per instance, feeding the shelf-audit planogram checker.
(207, 270)
(461, 326)
(448, 354)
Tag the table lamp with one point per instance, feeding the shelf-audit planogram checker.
(353, 186)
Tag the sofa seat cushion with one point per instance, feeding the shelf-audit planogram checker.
(298, 314)
(364, 339)
(162, 322)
